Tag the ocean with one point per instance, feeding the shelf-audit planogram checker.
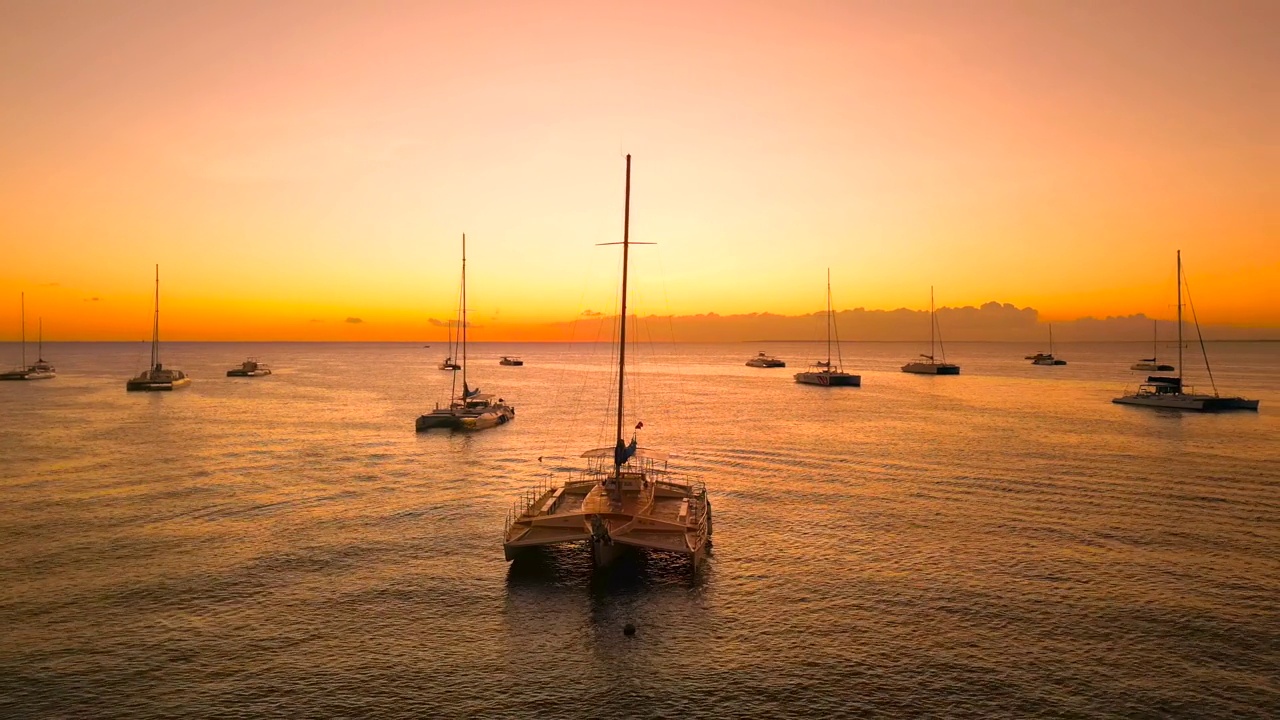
(1006, 543)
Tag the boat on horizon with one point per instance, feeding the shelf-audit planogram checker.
(511, 361)
(824, 372)
(469, 409)
(928, 364)
(763, 360)
(40, 370)
(448, 363)
(626, 499)
(1152, 363)
(250, 368)
(1046, 358)
(157, 378)
(1171, 392)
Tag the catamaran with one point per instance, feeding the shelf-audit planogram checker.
(823, 372)
(1046, 358)
(250, 368)
(470, 409)
(928, 364)
(157, 377)
(1170, 392)
(626, 499)
(763, 360)
(41, 370)
(1152, 363)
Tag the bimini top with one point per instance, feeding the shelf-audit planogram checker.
(645, 453)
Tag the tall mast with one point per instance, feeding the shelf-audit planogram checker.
(830, 318)
(1179, 280)
(1050, 338)
(930, 322)
(464, 315)
(155, 326)
(23, 302)
(622, 319)
(1155, 341)
(40, 343)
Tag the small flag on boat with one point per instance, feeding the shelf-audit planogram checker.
(639, 425)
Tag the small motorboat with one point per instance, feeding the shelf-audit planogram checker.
(250, 368)
(761, 360)
(512, 361)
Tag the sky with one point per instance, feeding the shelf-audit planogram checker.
(306, 170)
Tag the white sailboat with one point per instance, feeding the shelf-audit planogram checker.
(824, 372)
(1153, 363)
(929, 364)
(1046, 358)
(626, 499)
(41, 370)
(1170, 392)
(157, 377)
(470, 409)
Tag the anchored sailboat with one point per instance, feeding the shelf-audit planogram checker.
(626, 498)
(825, 373)
(41, 370)
(470, 409)
(1170, 392)
(1152, 363)
(157, 377)
(1046, 358)
(448, 363)
(928, 364)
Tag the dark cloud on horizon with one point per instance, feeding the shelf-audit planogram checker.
(591, 313)
(315, 320)
(354, 320)
(92, 299)
(50, 284)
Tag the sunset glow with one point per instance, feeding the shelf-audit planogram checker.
(295, 166)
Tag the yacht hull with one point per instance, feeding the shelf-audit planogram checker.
(1192, 403)
(766, 364)
(248, 373)
(1152, 367)
(931, 368)
(463, 420)
(829, 379)
(156, 385)
(28, 375)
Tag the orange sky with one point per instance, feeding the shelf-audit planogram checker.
(293, 164)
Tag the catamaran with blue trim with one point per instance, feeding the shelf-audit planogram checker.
(627, 499)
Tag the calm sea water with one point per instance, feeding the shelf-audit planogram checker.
(1006, 543)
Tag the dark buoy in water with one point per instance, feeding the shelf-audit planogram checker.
(628, 629)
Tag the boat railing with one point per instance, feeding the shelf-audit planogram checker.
(522, 507)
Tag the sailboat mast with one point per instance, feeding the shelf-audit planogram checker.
(155, 325)
(40, 342)
(931, 321)
(829, 318)
(1179, 281)
(622, 319)
(23, 303)
(464, 314)
(1155, 341)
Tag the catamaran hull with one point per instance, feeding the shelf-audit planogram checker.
(1192, 403)
(463, 421)
(829, 379)
(155, 386)
(27, 375)
(931, 368)
(1152, 366)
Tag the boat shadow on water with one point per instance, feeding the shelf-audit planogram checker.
(571, 566)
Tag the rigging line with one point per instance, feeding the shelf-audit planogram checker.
(1203, 352)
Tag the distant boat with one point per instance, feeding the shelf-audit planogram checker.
(448, 363)
(41, 370)
(825, 373)
(470, 409)
(626, 499)
(250, 368)
(1170, 392)
(512, 361)
(761, 360)
(1152, 363)
(1046, 358)
(157, 377)
(928, 364)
